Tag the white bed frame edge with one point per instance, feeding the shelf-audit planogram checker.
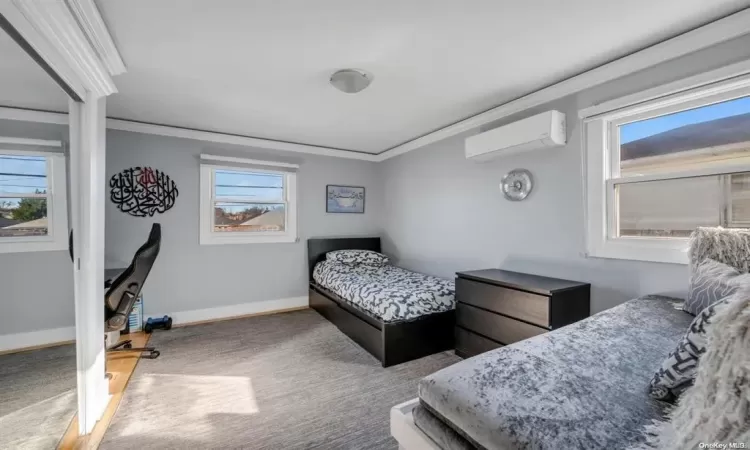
(405, 431)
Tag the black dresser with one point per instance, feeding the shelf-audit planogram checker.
(497, 307)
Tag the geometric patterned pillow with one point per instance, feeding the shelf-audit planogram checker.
(710, 281)
(366, 257)
(678, 371)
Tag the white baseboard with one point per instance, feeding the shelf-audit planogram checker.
(9, 342)
(36, 338)
(224, 312)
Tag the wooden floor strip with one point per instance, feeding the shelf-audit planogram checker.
(121, 365)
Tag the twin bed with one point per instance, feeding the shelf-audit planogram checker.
(395, 314)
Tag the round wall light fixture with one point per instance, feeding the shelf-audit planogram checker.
(350, 81)
(517, 184)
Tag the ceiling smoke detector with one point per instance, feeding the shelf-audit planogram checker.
(350, 81)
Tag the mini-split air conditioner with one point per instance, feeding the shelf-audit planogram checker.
(544, 130)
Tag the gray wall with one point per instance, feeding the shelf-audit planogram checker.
(447, 214)
(443, 214)
(36, 288)
(189, 276)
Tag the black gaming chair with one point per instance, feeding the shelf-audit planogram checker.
(125, 289)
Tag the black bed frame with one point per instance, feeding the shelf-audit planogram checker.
(391, 343)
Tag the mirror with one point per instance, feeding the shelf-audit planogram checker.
(38, 400)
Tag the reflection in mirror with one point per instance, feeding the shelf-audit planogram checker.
(25, 215)
(37, 322)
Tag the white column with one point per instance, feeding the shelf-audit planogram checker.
(87, 174)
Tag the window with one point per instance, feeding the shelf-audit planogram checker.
(246, 201)
(33, 209)
(658, 169)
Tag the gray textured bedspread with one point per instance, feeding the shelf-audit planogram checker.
(582, 386)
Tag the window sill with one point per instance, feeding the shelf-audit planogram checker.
(666, 251)
(240, 240)
(24, 247)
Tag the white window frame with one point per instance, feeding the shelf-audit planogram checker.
(57, 207)
(601, 159)
(728, 211)
(207, 175)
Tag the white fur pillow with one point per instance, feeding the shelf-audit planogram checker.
(716, 408)
(730, 246)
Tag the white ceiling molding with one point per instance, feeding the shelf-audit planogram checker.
(27, 115)
(30, 115)
(45, 49)
(222, 138)
(90, 20)
(722, 30)
(53, 31)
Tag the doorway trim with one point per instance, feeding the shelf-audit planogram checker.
(70, 40)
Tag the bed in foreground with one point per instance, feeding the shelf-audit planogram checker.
(394, 314)
(584, 385)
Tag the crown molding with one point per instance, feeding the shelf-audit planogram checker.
(31, 115)
(37, 43)
(28, 115)
(56, 22)
(223, 138)
(53, 32)
(722, 30)
(93, 26)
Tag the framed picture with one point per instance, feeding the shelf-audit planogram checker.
(345, 199)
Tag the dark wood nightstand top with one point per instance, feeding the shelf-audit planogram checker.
(522, 281)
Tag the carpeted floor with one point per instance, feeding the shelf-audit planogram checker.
(284, 381)
(37, 397)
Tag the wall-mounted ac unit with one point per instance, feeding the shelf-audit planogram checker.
(541, 131)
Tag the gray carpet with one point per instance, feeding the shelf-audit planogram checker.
(283, 381)
(37, 397)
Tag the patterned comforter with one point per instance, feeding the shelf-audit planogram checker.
(389, 292)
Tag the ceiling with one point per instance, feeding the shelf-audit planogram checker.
(261, 68)
(23, 83)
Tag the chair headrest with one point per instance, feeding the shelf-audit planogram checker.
(155, 232)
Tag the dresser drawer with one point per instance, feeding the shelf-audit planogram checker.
(529, 307)
(469, 344)
(499, 328)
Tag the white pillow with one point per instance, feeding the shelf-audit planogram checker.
(365, 257)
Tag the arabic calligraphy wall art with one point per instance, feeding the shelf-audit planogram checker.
(345, 199)
(142, 191)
